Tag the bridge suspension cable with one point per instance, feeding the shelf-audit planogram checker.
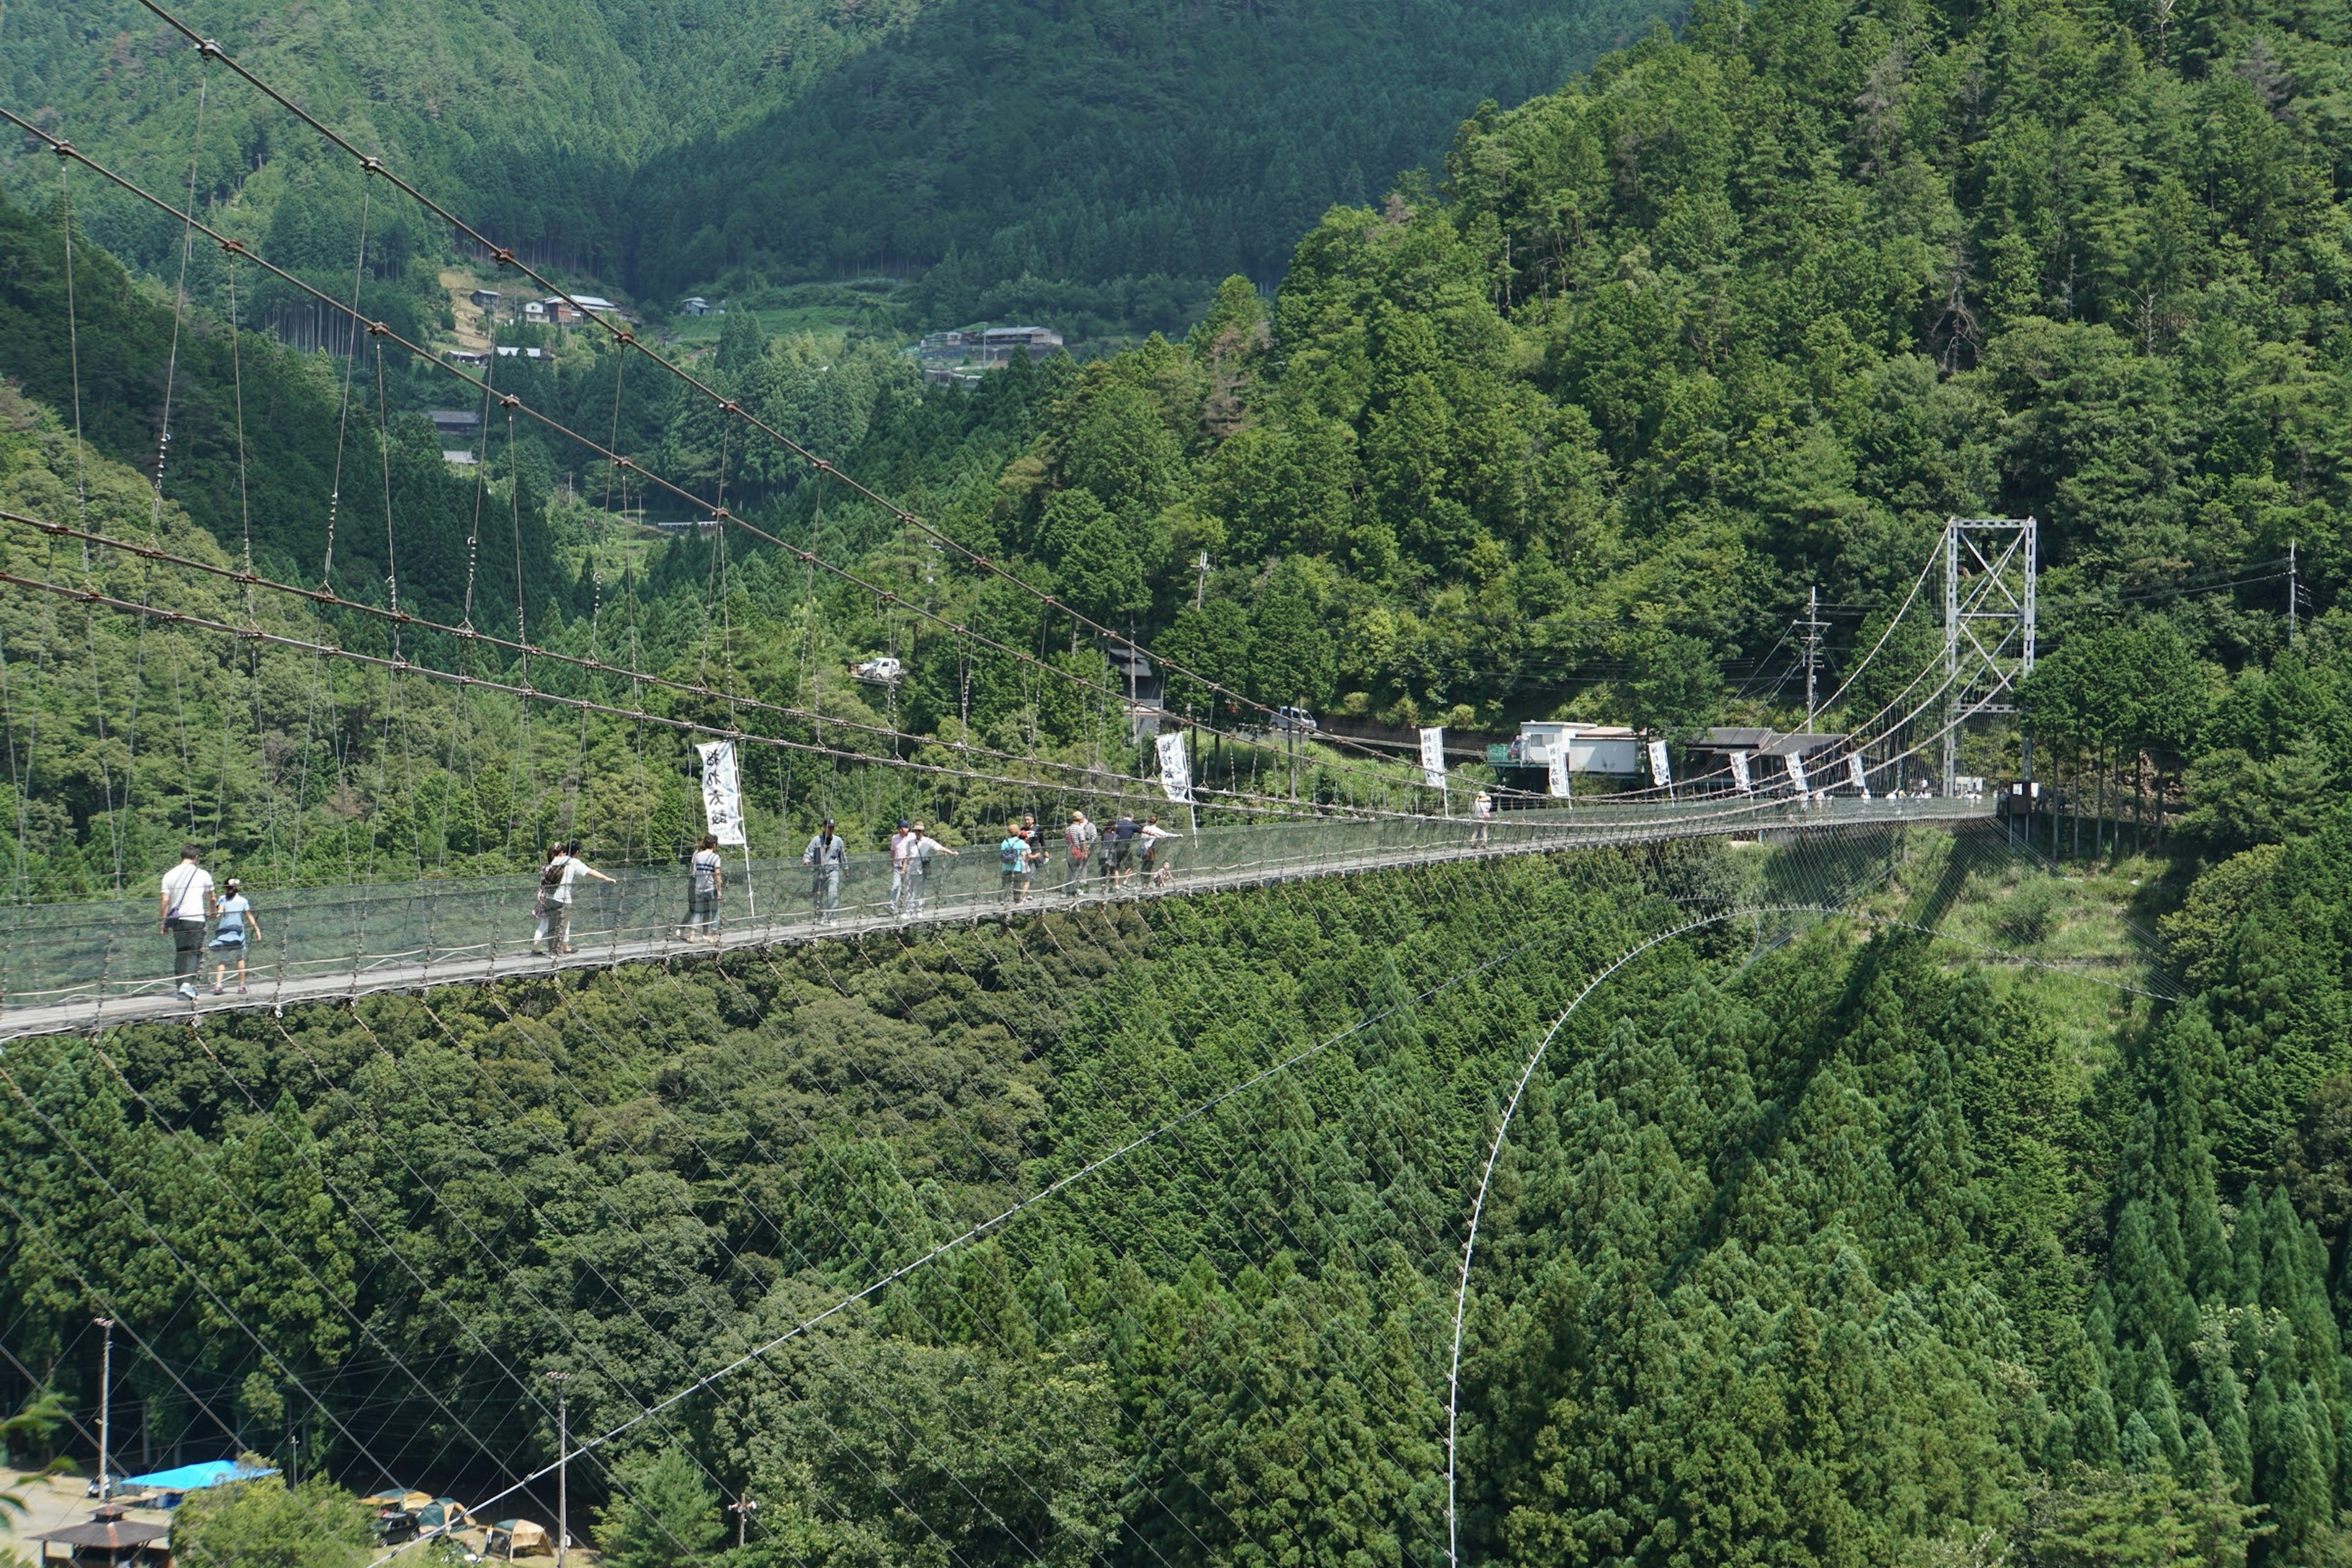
(626, 339)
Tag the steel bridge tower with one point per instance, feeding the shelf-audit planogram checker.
(1989, 567)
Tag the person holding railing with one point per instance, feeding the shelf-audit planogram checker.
(1155, 864)
(556, 878)
(919, 854)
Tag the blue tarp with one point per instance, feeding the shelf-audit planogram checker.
(192, 1478)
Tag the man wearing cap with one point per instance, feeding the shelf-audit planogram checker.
(186, 904)
(826, 856)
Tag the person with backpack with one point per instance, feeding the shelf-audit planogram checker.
(186, 903)
(826, 856)
(238, 925)
(563, 869)
(1013, 865)
(1081, 835)
(705, 879)
(919, 854)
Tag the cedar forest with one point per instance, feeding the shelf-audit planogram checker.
(1813, 1241)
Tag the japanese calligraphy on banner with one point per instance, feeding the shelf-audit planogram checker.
(1175, 768)
(1433, 757)
(1855, 775)
(1660, 773)
(1559, 781)
(1739, 773)
(722, 793)
(1796, 765)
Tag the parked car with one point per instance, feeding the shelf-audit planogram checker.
(1297, 719)
(881, 670)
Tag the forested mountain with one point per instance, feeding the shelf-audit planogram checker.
(1120, 155)
(1031, 147)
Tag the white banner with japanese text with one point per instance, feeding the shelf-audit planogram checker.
(722, 793)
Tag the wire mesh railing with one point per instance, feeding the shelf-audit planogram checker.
(73, 964)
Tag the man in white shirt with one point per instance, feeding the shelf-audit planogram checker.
(184, 906)
(902, 850)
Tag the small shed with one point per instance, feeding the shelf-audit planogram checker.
(107, 1538)
(697, 306)
(487, 299)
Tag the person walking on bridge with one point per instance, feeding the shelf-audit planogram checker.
(902, 850)
(238, 925)
(919, 874)
(1081, 835)
(1122, 837)
(1155, 863)
(1482, 812)
(826, 856)
(186, 903)
(556, 878)
(706, 878)
(1013, 865)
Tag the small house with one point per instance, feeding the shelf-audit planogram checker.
(999, 344)
(449, 422)
(1613, 749)
(697, 306)
(466, 356)
(487, 299)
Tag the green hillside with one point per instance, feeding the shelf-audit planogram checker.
(1032, 147)
(694, 143)
(1816, 1243)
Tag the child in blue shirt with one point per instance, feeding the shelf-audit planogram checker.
(236, 925)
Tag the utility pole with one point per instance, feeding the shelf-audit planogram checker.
(106, 1412)
(2294, 594)
(1200, 588)
(742, 1509)
(562, 1465)
(1813, 648)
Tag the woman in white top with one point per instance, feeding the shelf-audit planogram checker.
(1153, 862)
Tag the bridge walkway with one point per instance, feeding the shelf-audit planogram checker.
(75, 967)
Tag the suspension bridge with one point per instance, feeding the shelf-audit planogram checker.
(81, 966)
(86, 965)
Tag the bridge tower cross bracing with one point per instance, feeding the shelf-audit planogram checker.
(1990, 565)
